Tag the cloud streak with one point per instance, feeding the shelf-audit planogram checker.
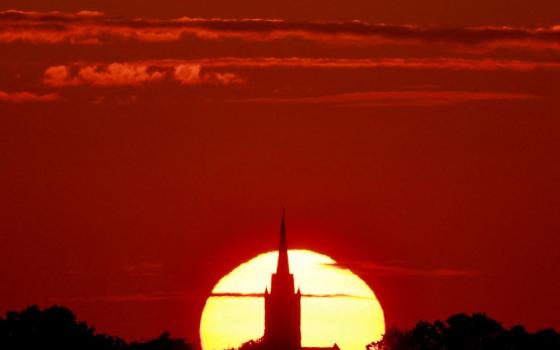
(23, 97)
(304, 295)
(189, 296)
(203, 71)
(363, 63)
(88, 27)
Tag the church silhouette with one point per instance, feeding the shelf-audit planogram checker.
(282, 305)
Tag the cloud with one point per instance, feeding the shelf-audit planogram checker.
(118, 74)
(190, 296)
(190, 74)
(200, 71)
(226, 78)
(394, 98)
(304, 295)
(48, 16)
(216, 71)
(89, 27)
(58, 76)
(187, 74)
(363, 63)
(21, 97)
(114, 74)
(89, 14)
(134, 74)
(237, 295)
(219, 71)
(378, 269)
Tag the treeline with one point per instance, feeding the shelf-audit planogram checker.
(467, 332)
(56, 328)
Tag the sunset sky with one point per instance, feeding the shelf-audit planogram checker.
(147, 147)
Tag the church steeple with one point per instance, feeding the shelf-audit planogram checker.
(283, 266)
(282, 326)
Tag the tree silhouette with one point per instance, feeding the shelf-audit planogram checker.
(466, 332)
(56, 328)
(164, 342)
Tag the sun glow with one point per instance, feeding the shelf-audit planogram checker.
(336, 306)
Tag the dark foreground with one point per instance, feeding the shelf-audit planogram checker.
(57, 328)
(467, 332)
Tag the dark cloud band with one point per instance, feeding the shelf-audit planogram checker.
(93, 27)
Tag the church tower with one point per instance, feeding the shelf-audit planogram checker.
(282, 313)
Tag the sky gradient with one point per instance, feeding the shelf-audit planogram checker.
(147, 149)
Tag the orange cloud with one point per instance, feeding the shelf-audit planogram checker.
(134, 73)
(190, 74)
(58, 76)
(21, 97)
(118, 74)
(225, 78)
(114, 74)
(187, 74)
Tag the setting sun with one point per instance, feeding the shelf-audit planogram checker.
(336, 307)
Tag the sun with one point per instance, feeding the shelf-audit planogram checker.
(337, 306)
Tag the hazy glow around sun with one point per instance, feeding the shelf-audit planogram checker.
(337, 306)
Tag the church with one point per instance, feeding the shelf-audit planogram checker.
(282, 306)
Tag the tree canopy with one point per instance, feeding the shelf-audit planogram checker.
(466, 332)
(57, 328)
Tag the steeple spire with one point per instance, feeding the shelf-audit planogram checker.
(283, 266)
(282, 306)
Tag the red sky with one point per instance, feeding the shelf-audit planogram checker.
(146, 149)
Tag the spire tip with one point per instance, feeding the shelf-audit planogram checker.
(283, 264)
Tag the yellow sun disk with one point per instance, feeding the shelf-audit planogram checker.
(339, 306)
